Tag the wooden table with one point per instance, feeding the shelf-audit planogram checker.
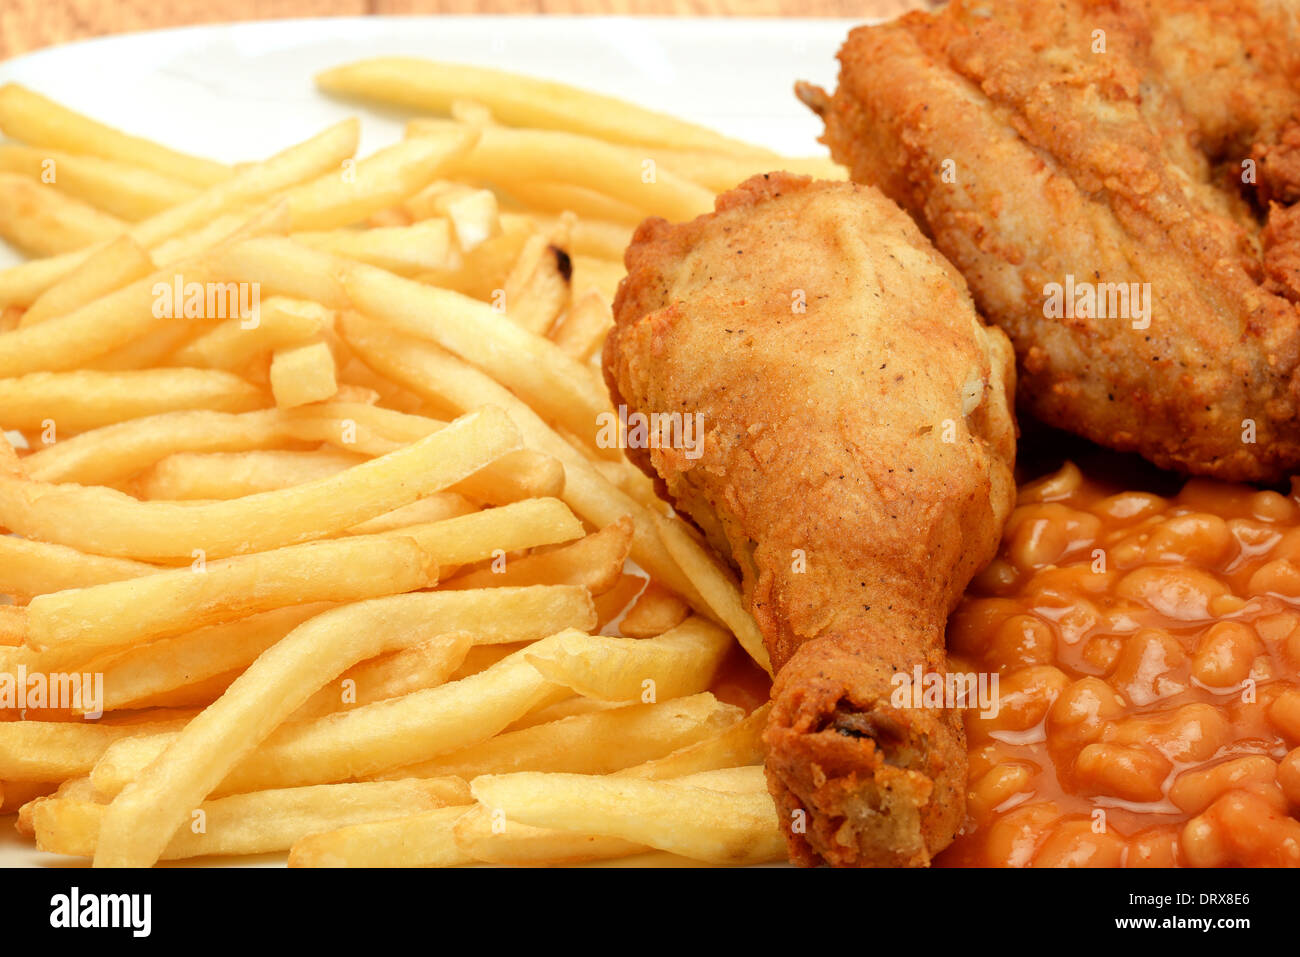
(31, 24)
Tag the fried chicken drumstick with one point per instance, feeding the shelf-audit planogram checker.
(856, 468)
(1099, 145)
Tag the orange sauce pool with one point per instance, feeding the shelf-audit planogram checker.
(1147, 651)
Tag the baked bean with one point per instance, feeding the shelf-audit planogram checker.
(1189, 734)
(1197, 538)
(973, 622)
(1128, 507)
(1150, 667)
(1082, 711)
(1061, 484)
(1076, 844)
(1042, 535)
(998, 577)
(1130, 772)
(1254, 538)
(1157, 847)
(1225, 654)
(1239, 829)
(996, 786)
(1280, 577)
(1024, 697)
(1284, 712)
(1194, 791)
(1022, 640)
(1272, 507)
(1102, 651)
(1288, 777)
(986, 757)
(1014, 838)
(1181, 593)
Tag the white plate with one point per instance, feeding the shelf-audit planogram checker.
(244, 91)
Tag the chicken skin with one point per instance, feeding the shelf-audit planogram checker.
(1114, 180)
(856, 469)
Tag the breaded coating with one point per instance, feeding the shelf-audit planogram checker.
(856, 468)
(1100, 146)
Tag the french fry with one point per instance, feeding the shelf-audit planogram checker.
(128, 192)
(432, 508)
(187, 476)
(716, 586)
(34, 119)
(109, 268)
(601, 275)
(678, 662)
(41, 221)
(374, 738)
(518, 100)
(487, 836)
(14, 795)
(537, 289)
(592, 237)
(142, 674)
(737, 745)
(231, 345)
(582, 331)
(710, 825)
(405, 250)
(29, 568)
(483, 269)
(554, 197)
(13, 625)
(479, 535)
(501, 153)
(655, 611)
(107, 522)
(169, 602)
(58, 750)
(595, 743)
(82, 400)
(303, 374)
(253, 823)
(421, 840)
(595, 562)
(377, 182)
(426, 665)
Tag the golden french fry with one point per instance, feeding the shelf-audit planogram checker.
(82, 400)
(679, 662)
(405, 250)
(600, 275)
(253, 823)
(29, 568)
(231, 345)
(170, 602)
(34, 119)
(16, 795)
(595, 743)
(433, 508)
(107, 522)
(593, 237)
(426, 665)
(721, 827)
(655, 611)
(518, 100)
(595, 562)
(303, 374)
(537, 289)
(483, 268)
(187, 476)
(486, 836)
(142, 674)
(108, 269)
(716, 585)
(549, 196)
(129, 192)
(421, 840)
(41, 221)
(381, 180)
(581, 333)
(58, 750)
(13, 625)
(738, 745)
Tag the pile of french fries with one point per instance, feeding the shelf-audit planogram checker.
(360, 582)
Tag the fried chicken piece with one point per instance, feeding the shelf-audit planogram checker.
(856, 468)
(1099, 145)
